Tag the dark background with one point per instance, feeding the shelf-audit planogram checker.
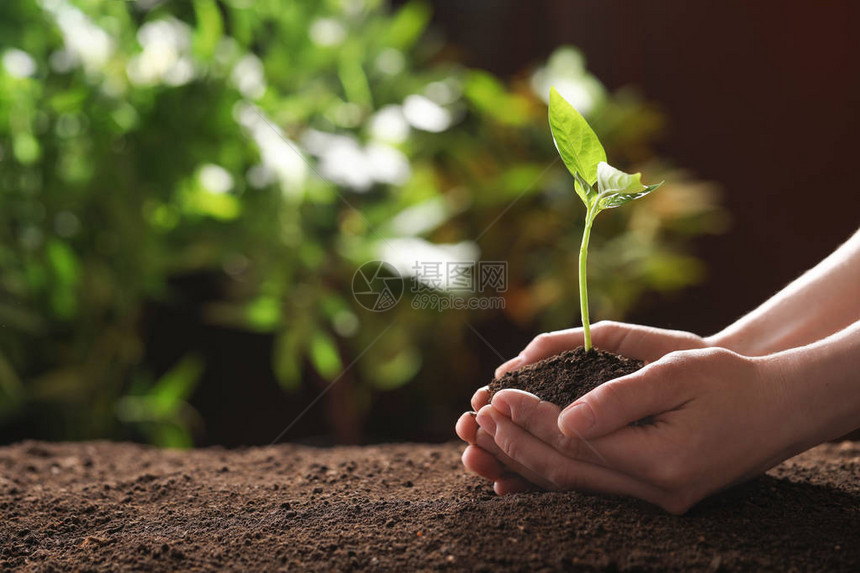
(761, 97)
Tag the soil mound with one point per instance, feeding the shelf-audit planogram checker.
(563, 378)
(402, 507)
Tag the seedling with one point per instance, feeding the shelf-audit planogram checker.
(598, 184)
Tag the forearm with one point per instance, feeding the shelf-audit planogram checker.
(820, 383)
(822, 301)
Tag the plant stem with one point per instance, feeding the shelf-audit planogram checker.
(583, 283)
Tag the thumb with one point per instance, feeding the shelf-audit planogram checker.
(621, 402)
(641, 342)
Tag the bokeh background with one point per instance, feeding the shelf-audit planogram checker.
(187, 188)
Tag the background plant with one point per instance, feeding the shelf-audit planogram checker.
(271, 148)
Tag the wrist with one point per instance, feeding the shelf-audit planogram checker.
(729, 340)
(818, 391)
(751, 339)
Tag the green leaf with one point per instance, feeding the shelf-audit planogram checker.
(64, 263)
(324, 355)
(576, 142)
(408, 25)
(175, 386)
(223, 206)
(353, 79)
(487, 93)
(584, 189)
(209, 27)
(616, 187)
(610, 179)
(26, 148)
(65, 269)
(264, 313)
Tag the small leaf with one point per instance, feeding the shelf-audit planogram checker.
(584, 189)
(576, 142)
(616, 187)
(617, 199)
(610, 179)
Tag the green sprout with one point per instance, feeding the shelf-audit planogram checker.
(583, 154)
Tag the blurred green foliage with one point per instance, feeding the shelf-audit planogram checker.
(281, 145)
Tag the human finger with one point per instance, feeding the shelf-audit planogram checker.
(540, 418)
(466, 427)
(485, 440)
(618, 403)
(512, 483)
(640, 342)
(482, 463)
(480, 398)
(536, 458)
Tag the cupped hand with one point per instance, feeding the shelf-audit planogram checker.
(718, 418)
(634, 341)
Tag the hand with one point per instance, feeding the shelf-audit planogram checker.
(634, 341)
(631, 340)
(719, 418)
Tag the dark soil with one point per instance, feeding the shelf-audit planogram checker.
(563, 378)
(104, 506)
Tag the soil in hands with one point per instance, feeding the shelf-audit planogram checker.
(563, 378)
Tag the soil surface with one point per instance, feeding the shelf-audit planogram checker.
(104, 506)
(563, 378)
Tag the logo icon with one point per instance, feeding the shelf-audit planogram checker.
(376, 286)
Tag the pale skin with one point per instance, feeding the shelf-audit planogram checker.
(726, 407)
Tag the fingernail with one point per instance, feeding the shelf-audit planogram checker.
(473, 414)
(501, 405)
(486, 422)
(576, 420)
